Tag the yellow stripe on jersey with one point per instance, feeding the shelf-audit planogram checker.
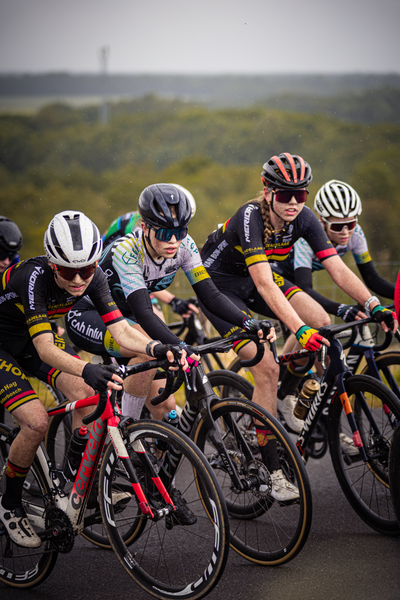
(197, 274)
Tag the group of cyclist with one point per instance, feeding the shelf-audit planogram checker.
(259, 261)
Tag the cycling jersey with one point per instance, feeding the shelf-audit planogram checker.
(29, 298)
(303, 261)
(132, 274)
(239, 243)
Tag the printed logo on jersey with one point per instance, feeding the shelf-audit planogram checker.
(197, 274)
(246, 221)
(31, 286)
(215, 254)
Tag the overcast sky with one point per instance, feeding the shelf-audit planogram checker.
(202, 36)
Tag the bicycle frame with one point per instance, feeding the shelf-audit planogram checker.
(74, 504)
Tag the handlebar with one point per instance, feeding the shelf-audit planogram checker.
(100, 408)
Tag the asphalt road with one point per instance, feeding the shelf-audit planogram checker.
(342, 559)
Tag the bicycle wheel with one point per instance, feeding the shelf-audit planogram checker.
(24, 567)
(227, 384)
(57, 442)
(366, 485)
(167, 559)
(263, 530)
(394, 472)
(388, 365)
(236, 367)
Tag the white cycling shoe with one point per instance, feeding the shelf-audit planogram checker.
(286, 408)
(347, 445)
(18, 527)
(282, 489)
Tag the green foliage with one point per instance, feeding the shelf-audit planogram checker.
(65, 158)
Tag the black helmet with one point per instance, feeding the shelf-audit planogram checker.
(286, 171)
(155, 204)
(10, 236)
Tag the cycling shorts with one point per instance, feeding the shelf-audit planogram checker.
(15, 389)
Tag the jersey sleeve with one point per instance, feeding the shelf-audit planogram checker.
(100, 295)
(315, 235)
(302, 255)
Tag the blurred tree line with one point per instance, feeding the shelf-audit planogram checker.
(64, 158)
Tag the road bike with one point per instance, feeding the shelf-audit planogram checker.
(140, 470)
(263, 530)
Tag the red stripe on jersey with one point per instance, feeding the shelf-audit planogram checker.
(323, 254)
(115, 314)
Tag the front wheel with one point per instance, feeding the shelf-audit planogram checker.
(264, 530)
(179, 554)
(376, 410)
(24, 567)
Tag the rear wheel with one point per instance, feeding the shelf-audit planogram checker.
(263, 530)
(366, 485)
(24, 567)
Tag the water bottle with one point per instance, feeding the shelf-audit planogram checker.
(172, 418)
(309, 389)
(75, 452)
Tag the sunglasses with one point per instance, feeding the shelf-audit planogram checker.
(69, 273)
(285, 196)
(164, 234)
(4, 254)
(338, 226)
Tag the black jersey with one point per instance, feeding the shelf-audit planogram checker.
(30, 297)
(238, 243)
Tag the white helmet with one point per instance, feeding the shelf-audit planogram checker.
(72, 240)
(337, 199)
(188, 196)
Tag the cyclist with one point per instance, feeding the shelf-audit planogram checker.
(130, 222)
(148, 260)
(32, 292)
(10, 243)
(237, 256)
(338, 206)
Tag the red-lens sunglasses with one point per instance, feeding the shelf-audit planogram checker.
(285, 196)
(69, 273)
(338, 226)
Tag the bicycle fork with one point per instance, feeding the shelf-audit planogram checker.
(140, 451)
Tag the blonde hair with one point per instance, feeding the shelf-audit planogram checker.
(265, 214)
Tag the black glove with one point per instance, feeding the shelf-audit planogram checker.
(97, 376)
(160, 350)
(347, 312)
(252, 325)
(179, 306)
(384, 315)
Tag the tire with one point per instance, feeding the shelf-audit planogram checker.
(263, 530)
(366, 485)
(236, 367)
(388, 365)
(227, 384)
(166, 560)
(57, 442)
(394, 472)
(24, 567)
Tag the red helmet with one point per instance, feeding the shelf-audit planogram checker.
(286, 171)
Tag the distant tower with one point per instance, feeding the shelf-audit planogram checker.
(104, 54)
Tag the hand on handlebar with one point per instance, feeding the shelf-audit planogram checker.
(386, 317)
(183, 307)
(101, 377)
(310, 339)
(264, 329)
(349, 312)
